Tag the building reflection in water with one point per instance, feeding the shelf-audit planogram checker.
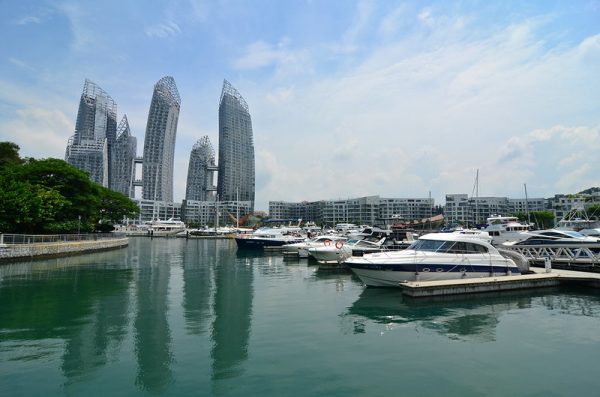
(232, 314)
(82, 300)
(199, 257)
(151, 327)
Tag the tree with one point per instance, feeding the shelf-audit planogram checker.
(74, 185)
(52, 196)
(541, 219)
(9, 154)
(113, 206)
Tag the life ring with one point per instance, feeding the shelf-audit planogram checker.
(339, 244)
(327, 243)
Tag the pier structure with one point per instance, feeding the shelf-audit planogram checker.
(541, 277)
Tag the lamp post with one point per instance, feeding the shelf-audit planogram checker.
(79, 225)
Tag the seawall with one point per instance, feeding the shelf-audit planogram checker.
(19, 252)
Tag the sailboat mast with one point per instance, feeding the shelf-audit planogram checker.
(527, 205)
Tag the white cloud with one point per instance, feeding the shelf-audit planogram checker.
(40, 132)
(21, 64)
(163, 30)
(28, 19)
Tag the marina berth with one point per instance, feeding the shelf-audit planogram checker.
(434, 256)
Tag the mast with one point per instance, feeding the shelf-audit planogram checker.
(527, 204)
(237, 207)
(477, 197)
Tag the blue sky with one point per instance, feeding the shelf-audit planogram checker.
(348, 98)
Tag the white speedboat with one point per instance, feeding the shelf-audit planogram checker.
(301, 249)
(340, 251)
(266, 237)
(435, 256)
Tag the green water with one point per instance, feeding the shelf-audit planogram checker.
(176, 317)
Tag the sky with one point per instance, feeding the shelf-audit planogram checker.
(347, 98)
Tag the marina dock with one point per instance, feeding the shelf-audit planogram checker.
(538, 279)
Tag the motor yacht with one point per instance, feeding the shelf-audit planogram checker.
(170, 227)
(340, 251)
(434, 256)
(505, 228)
(266, 237)
(301, 249)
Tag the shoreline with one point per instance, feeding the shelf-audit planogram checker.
(24, 252)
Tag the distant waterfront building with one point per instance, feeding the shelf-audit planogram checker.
(210, 212)
(236, 176)
(461, 209)
(369, 210)
(159, 142)
(91, 148)
(152, 210)
(124, 157)
(201, 169)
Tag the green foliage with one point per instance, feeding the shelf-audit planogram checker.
(9, 154)
(51, 196)
(541, 219)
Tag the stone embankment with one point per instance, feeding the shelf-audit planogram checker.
(15, 252)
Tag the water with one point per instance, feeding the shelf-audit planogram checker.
(175, 317)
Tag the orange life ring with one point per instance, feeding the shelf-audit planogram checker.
(339, 244)
(327, 242)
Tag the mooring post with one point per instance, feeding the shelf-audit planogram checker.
(548, 265)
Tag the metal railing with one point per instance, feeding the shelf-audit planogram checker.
(8, 239)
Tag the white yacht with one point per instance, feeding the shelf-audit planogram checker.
(170, 227)
(505, 228)
(434, 256)
(266, 237)
(301, 249)
(340, 251)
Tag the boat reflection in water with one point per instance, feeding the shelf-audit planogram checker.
(469, 318)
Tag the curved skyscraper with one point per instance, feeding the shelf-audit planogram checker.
(91, 148)
(200, 171)
(159, 142)
(236, 148)
(124, 155)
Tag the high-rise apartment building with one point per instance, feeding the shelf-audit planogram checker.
(91, 147)
(236, 177)
(200, 179)
(159, 142)
(123, 161)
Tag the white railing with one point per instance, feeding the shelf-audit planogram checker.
(13, 239)
(588, 254)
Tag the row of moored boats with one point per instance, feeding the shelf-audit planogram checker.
(381, 258)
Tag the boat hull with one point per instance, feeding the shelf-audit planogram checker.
(391, 275)
(258, 243)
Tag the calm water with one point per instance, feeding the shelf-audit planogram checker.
(176, 317)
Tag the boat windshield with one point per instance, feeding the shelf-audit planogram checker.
(452, 247)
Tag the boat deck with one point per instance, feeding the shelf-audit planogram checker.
(539, 278)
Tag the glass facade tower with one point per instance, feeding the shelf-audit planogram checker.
(236, 176)
(124, 156)
(201, 169)
(159, 141)
(91, 148)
